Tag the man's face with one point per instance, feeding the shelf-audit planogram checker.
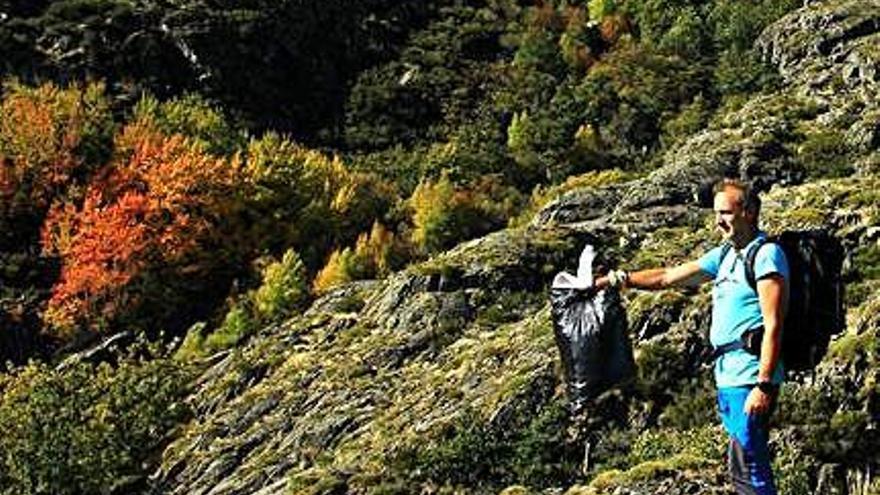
(731, 219)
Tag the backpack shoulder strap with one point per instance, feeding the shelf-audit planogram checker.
(750, 261)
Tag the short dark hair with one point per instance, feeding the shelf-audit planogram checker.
(751, 202)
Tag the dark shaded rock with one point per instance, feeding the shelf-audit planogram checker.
(344, 299)
(427, 312)
(580, 205)
(634, 225)
(513, 414)
(704, 159)
(106, 350)
(435, 318)
(864, 135)
(657, 321)
(395, 293)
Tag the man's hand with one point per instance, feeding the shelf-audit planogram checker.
(758, 402)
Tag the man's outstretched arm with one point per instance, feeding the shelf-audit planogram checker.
(685, 275)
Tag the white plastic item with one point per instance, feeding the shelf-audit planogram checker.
(584, 277)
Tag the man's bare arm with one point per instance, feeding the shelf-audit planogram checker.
(771, 295)
(685, 275)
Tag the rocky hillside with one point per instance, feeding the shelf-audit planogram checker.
(444, 378)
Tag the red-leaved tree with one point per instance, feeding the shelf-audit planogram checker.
(143, 232)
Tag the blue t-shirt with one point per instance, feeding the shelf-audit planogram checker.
(735, 307)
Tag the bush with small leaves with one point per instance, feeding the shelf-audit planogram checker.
(89, 428)
(444, 215)
(238, 324)
(194, 117)
(284, 289)
(376, 254)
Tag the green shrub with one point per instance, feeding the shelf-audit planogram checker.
(542, 454)
(849, 437)
(339, 269)
(538, 49)
(471, 453)
(599, 9)
(794, 469)
(611, 481)
(284, 289)
(626, 95)
(194, 117)
(694, 407)
(706, 442)
(402, 166)
(444, 215)
(193, 345)
(375, 255)
(87, 428)
(692, 118)
(686, 36)
(867, 262)
(463, 455)
(736, 25)
(824, 153)
(238, 323)
(509, 307)
(742, 72)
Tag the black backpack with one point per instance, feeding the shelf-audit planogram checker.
(815, 301)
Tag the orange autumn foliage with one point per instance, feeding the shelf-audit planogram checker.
(48, 135)
(153, 207)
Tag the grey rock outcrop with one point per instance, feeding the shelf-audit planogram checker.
(818, 48)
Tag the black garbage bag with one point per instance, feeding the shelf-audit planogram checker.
(591, 333)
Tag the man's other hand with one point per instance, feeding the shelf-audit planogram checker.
(758, 402)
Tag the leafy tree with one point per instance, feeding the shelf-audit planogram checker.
(735, 27)
(51, 139)
(238, 324)
(444, 215)
(284, 289)
(376, 254)
(599, 9)
(631, 90)
(581, 43)
(301, 198)
(152, 211)
(432, 87)
(194, 117)
(342, 266)
(687, 36)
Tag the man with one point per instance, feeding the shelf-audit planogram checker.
(747, 383)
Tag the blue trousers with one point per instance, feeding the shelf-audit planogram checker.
(748, 458)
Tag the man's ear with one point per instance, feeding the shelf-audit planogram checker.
(751, 216)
